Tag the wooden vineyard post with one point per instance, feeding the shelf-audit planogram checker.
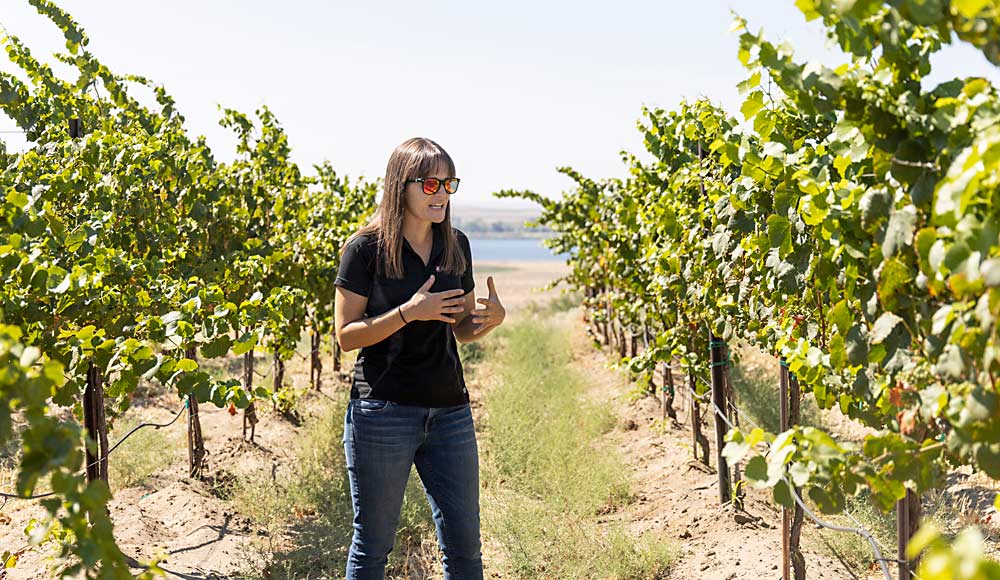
(792, 560)
(337, 353)
(622, 344)
(645, 346)
(798, 560)
(907, 522)
(717, 353)
(633, 351)
(250, 413)
(612, 332)
(596, 320)
(612, 337)
(695, 419)
(315, 362)
(94, 422)
(279, 377)
(608, 330)
(734, 416)
(783, 426)
(695, 411)
(95, 425)
(668, 393)
(697, 437)
(612, 328)
(590, 294)
(613, 325)
(618, 330)
(196, 443)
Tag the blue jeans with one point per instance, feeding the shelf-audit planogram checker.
(382, 439)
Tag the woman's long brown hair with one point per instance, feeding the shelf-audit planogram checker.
(416, 157)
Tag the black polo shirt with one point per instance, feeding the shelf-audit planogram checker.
(418, 364)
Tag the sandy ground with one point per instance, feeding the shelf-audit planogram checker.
(520, 283)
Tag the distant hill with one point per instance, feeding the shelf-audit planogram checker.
(489, 222)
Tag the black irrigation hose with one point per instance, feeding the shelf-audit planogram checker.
(9, 496)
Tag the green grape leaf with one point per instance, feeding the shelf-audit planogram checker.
(969, 8)
(885, 324)
(857, 346)
(245, 344)
(752, 105)
(187, 365)
(893, 276)
(782, 495)
(756, 469)
(841, 316)
(779, 234)
(899, 232)
(217, 347)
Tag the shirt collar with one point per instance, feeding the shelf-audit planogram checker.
(437, 244)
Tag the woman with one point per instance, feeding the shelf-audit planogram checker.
(404, 295)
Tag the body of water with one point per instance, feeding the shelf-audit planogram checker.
(520, 249)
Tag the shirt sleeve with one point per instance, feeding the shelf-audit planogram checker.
(355, 273)
(468, 282)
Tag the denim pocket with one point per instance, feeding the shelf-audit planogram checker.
(370, 405)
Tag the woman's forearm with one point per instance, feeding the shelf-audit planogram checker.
(368, 331)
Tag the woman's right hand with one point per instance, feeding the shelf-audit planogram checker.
(427, 305)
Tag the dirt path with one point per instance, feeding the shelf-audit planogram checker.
(680, 501)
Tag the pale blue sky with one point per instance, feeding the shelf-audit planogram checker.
(512, 90)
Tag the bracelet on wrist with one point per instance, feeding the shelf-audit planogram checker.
(400, 309)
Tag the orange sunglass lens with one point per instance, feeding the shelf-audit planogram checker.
(431, 185)
(451, 185)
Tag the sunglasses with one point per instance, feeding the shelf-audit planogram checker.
(433, 184)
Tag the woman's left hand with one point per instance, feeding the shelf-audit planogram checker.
(493, 313)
